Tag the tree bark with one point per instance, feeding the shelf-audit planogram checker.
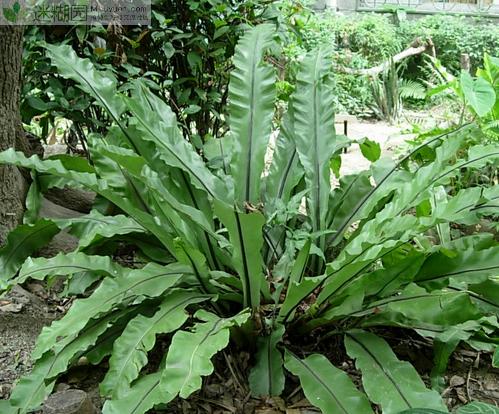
(13, 185)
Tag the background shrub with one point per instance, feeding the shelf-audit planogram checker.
(454, 36)
(365, 40)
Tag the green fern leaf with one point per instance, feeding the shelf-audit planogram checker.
(138, 338)
(150, 281)
(189, 355)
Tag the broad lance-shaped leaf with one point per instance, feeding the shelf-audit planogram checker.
(6, 408)
(199, 202)
(300, 264)
(193, 258)
(117, 178)
(131, 348)
(285, 170)
(169, 184)
(327, 387)
(251, 109)
(102, 86)
(190, 353)
(150, 281)
(314, 131)
(103, 347)
(64, 264)
(22, 242)
(96, 226)
(478, 407)
(245, 231)
(90, 181)
(142, 397)
(295, 294)
(389, 382)
(442, 308)
(345, 198)
(386, 281)
(442, 352)
(485, 295)
(448, 317)
(33, 201)
(32, 389)
(168, 203)
(267, 375)
(470, 266)
(99, 84)
(158, 124)
(443, 230)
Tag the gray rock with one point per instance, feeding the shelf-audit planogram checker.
(21, 296)
(11, 307)
(69, 402)
(50, 209)
(62, 242)
(72, 198)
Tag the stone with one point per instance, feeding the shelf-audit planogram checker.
(19, 295)
(11, 307)
(62, 242)
(62, 387)
(71, 198)
(70, 401)
(456, 381)
(49, 209)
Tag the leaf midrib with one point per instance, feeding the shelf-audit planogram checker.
(321, 382)
(151, 329)
(382, 368)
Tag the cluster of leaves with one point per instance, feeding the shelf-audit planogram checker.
(46, 98)
(192, 47)
(185, 54)
(475, 98)
(372, 36)
(265, 255)
(477, 95)
(453, 36)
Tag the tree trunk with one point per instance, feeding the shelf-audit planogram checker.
(13, 186)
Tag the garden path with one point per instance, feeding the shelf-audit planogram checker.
(388, 136)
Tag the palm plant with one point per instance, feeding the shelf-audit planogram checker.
(232, 251)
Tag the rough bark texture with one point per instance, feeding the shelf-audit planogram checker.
(12, 184)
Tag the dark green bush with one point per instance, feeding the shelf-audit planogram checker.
(364, 40)
(186, 52)
(454, 36)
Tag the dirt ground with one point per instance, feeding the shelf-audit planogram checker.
(18, 331)
(388, 136)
